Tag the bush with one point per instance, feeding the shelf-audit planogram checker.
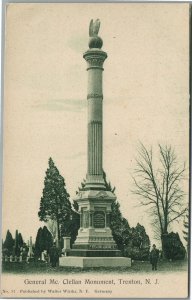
(136, 253)
(173, 247)
(138, 245)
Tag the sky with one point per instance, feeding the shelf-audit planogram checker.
(146, 99)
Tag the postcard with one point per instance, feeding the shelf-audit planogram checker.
(95, 185)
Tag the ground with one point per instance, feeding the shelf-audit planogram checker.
(137, 266)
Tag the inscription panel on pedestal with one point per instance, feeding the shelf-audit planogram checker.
(99, 219)
(86, 219)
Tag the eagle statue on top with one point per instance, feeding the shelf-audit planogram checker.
(94, 40)
(94, 28)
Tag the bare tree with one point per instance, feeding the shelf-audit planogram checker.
(159, 188)
(186, 229)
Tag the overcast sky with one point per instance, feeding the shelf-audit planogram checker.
(146, 98)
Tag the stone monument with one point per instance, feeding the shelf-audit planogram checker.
(95, 245)
(30, 253)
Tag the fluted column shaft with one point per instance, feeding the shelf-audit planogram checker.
(95, 59)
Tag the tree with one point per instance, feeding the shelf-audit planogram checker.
(174, 247)
(9, 242)
(71, 227)
(52, 227)
(20, 240)
(47, 239)
(186, 230)
(139, 237)
(119, 225)
(55, 204)
(38, 244)
(138, 246)
(16, 245)
(44, 241)
(133, 242)
(160, 188)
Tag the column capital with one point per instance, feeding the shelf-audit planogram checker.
(95, 58)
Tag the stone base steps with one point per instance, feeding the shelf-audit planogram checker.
(94, 262)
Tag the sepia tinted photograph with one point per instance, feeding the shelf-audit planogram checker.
(95, 185)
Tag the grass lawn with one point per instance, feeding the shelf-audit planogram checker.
(137, 266)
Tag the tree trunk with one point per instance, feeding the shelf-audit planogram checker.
(164, 242)
(57, 235)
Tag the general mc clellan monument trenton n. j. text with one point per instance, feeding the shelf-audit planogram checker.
(95, 246)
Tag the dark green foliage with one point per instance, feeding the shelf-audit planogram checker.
(71, 227)
(133, 242)
(44, 241)
(119, 226)
(8, 243)
(12, 246)
(38, 243)
(139, 237)
(16, 245)
(25, 247)
(75, 226)
(186, 231)
(55, 202)
(20, 240)
(173, 246)
(75, 206)
(138, 247)
(24, 253)
(137, 254)
(47, 239)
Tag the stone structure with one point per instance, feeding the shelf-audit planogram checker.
(95, 242)
(94, 236)
(30, 253)
(66, 247)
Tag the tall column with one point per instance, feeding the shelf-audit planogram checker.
(95, 58)
(93, 199)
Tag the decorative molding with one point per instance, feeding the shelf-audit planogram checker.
(101, 195)
(102, 247)
(95, 59)
(95, 96)
(101, 239)
(97, 54)
(94, 122)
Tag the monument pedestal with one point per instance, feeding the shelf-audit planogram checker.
(94, 236)
(94, 262)
(94, 246)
